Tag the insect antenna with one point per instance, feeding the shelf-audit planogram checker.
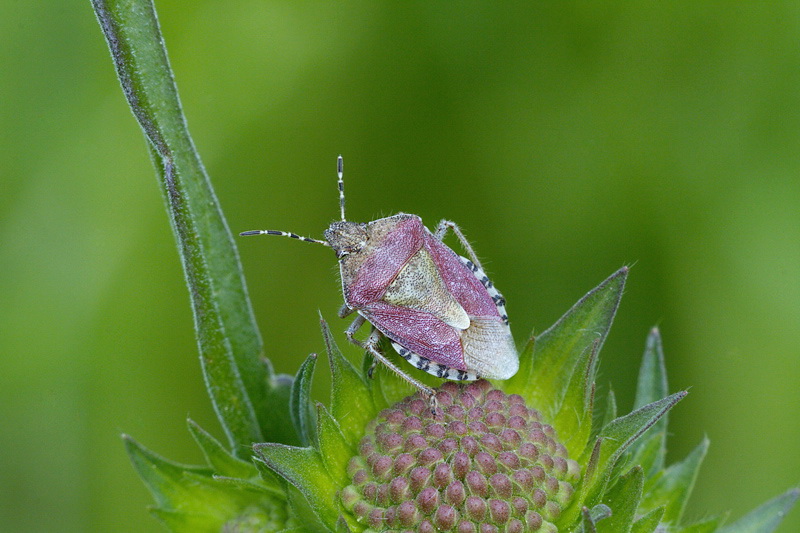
(282, 234)
(340, 174)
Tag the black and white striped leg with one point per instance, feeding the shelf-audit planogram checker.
(371, 346)
(441, 231)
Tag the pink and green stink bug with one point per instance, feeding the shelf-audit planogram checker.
(439, 310)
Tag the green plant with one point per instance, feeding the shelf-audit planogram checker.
(531, 454)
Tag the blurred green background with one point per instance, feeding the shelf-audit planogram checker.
(567, 140)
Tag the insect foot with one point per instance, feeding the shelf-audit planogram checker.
(439, 310)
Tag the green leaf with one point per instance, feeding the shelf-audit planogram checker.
(190, 499)
(162, 477)
(673, 487)
(305, 470)
(229, 342)
(351, 400)
(616, 437)
(652, 383)
(560, 349)
(574, 420)
(651, 386)
(766, 518)
(333, 447)
(610, 412)
(623, 500)
(649, 522)
(220, 459)
(300, 404)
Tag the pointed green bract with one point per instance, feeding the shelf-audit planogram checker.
(574, 420)
(161, 476)
(559, 349)
(300, 403)
(673, 486)
(652, 383)
(767, 517)
(332, 446)
(623, 499)
(190, 499)
(649, 522)
(351, 400)
(303, 468)
(617, 436)
(218, 458)
(651, 386)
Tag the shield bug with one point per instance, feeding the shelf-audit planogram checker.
(439, 310)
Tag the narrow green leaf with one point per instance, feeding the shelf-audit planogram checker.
(673, 488)
(618, 435)
(304, 469)
(767, 517)
(611, 409)
(623, 431)
(333, 448)
(300, 404)
(351, 400)
(229, 342)
(560, 349)
(651, 386)
(219, 458)
(623, 500)
(649, 522)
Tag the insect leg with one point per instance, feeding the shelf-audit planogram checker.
(345, 311)
(371, 346)
(441, 231)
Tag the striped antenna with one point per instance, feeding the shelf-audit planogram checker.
(340, 173)
(281, 234)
